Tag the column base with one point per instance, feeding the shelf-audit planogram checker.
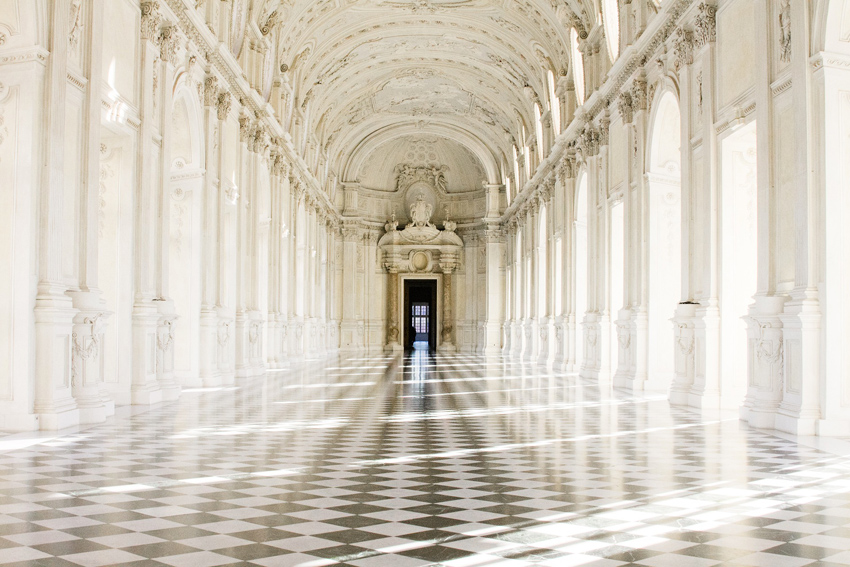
(170, 393)
(830, 427)
(59, 418)
(146, 396)
(94, 412)
(678, 397)
(15, 421)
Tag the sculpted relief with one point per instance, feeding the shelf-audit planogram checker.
(408, 174)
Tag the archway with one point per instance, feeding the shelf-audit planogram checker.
(184, 197)
(542, 266)
(664, 268)
(580, 268)
(739, 257)
(616, 277)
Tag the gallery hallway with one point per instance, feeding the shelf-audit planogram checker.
(439, 460)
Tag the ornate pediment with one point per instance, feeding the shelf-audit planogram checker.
(419, 235)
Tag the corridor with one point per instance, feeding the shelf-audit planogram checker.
(438, 460)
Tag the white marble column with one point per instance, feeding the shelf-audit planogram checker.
(393, 326)
(145, 387)
(807, 375)
(169, 39)
(93, 401)
(210, 236)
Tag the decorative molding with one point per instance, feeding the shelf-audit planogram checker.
(75, 21)
(785, 31)
(781, 86)
(38, 54)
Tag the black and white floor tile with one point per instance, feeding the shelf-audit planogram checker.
(439, 460)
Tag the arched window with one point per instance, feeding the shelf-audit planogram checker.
(519, 311)
(516, 167)
(611, 20)
(578, 66)
(554, 105)
(538, 130)
(542, 264)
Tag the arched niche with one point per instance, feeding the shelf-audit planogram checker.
(580, 272)
(664, 270)
(185, 195)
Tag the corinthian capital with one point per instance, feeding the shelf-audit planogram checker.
(151, 19)
(225, 101)
(169, 42)
(705, 25)
(211, 91)
(626, 106)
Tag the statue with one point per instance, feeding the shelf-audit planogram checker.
(391, 225)
(420, 213)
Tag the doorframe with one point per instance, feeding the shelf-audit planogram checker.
(439, 306)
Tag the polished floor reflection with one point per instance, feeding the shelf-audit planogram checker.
(438, 460)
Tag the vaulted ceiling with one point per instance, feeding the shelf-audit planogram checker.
(367, 73)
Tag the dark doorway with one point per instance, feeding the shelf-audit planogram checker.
(420, 314)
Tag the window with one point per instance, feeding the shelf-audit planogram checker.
(538, 130)
(421, 316)
(554, 105)
(611, 20)
(578, 66)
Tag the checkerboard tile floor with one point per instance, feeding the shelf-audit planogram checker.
(440, 460)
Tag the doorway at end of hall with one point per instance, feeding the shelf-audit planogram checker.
(420, 314)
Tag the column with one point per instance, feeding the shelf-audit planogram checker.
(807, 379)
(226, 200)
(448, 264)
(705, 390)
(210, 237)
(145, 388)
(168, 43)
(351, 327)
(764, 325)
(685, 319)
(493, 242)
(567, 317)
(393, 325)
(640, 252)
(242, 363)
(93, 401)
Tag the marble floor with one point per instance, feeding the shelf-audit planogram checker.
(439, 460)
